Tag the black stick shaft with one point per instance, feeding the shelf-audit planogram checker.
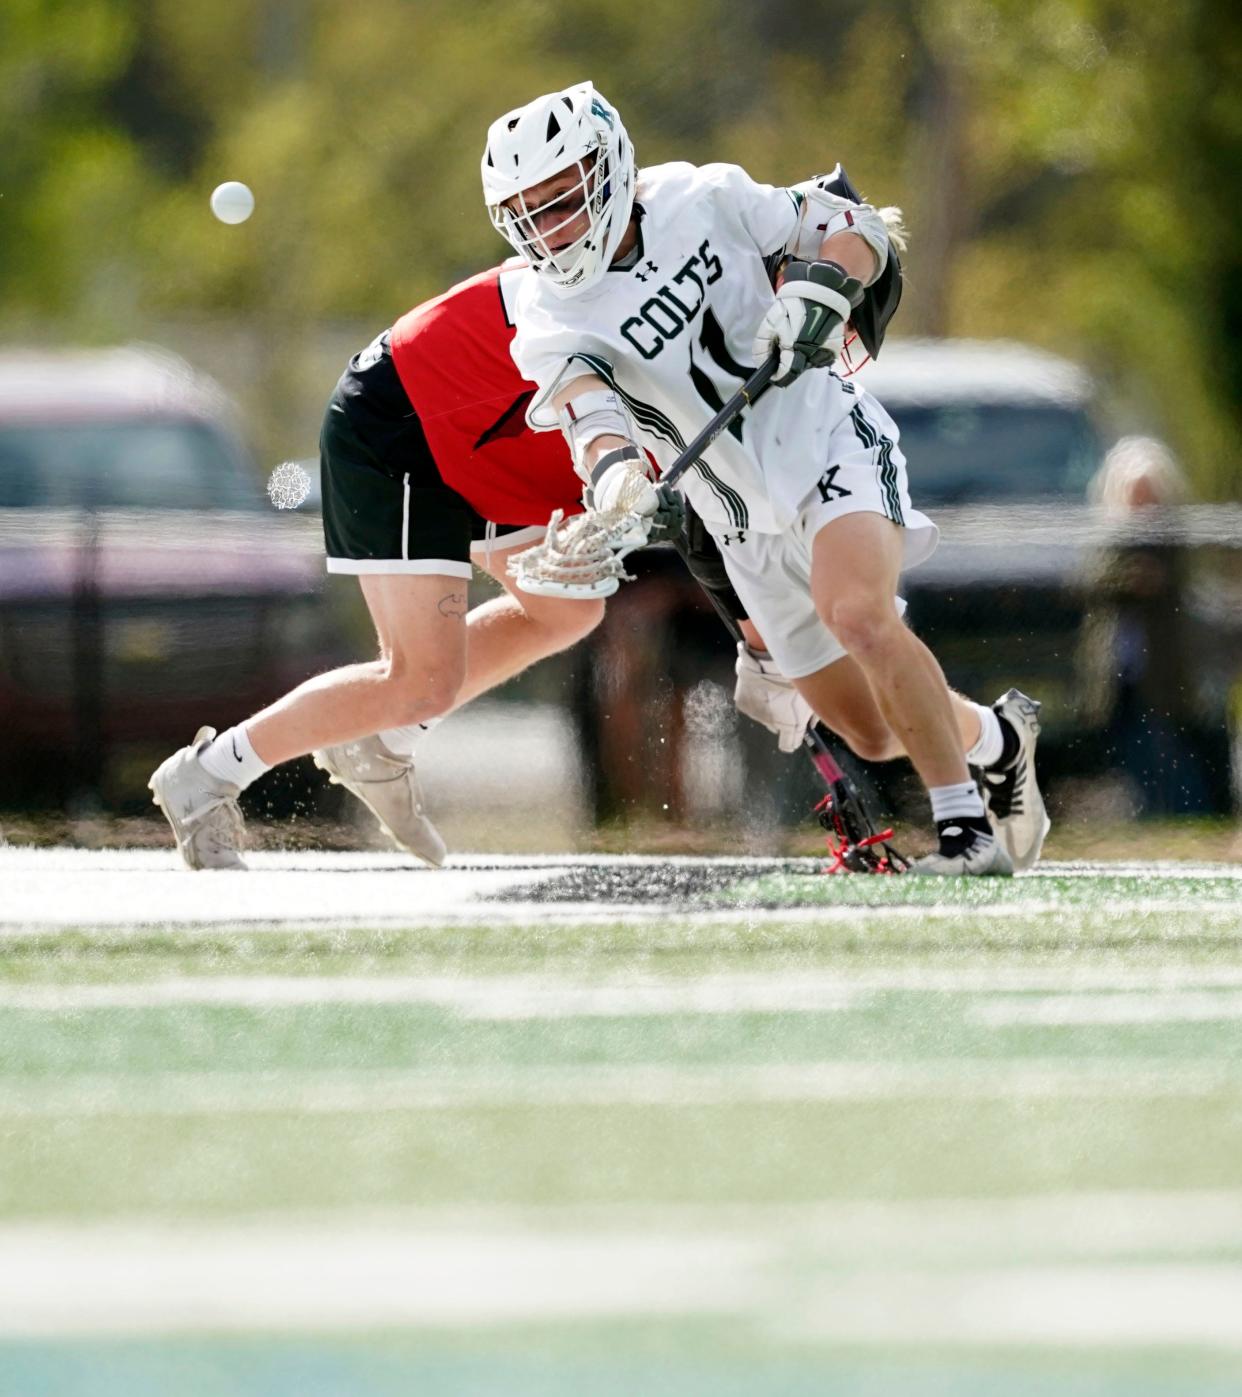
(749, 393)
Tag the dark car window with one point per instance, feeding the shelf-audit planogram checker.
(149, 464)
(979, 452)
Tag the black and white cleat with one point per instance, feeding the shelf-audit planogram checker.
(1014, 803)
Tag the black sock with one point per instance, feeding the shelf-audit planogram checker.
(1012, 745)
(963, 827)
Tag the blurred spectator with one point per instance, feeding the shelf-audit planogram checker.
(1135, 655)
(1138, 473)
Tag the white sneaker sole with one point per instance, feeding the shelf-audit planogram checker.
(1023, 837)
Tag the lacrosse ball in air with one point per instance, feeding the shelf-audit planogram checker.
(232, 202)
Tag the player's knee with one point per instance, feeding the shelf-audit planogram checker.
(864, 624)
(430, 696)
(872, 744)
(417, 693)
(567, 621)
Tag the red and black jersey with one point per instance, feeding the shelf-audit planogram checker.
(452, 356)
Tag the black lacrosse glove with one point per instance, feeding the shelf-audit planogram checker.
(806, 322)
(669, 519)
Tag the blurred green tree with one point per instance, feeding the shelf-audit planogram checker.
(1068, 167)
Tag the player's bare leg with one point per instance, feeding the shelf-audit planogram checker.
(420, 622)
(433, 656)
(510, 633)
(503, 637)
(421, 625)
(842, 697)
(855, 564)
(856, 561)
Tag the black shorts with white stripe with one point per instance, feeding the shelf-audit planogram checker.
(385, 507)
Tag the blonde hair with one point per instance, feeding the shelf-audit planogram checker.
(894, 222)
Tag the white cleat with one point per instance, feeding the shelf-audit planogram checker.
(385, 783)
(965, 853)
(201, 809)
(1014, 804)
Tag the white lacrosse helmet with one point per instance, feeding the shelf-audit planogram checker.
(557, 132)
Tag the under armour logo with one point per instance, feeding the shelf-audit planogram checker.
(651, 267)
(739, 537)
(828, 487)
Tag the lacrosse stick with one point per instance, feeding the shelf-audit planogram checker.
(859, 847)
(586, 556)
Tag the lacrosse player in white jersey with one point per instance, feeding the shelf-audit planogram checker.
(649, 301)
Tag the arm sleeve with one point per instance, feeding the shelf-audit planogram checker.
(767, 213)
(544, 349)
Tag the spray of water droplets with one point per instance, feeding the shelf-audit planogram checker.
(288, 485)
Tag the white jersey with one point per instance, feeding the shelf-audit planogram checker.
(673, 335)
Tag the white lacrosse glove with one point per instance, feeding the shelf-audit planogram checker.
(763, 693)
(620, 484)
(806, 322)
(622, 487)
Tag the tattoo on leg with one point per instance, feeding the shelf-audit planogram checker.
(454, 604)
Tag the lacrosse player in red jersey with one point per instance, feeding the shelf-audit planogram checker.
(427, 469)
(424, 451)
(649, 300)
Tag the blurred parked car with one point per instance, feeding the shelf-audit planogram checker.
(146, 583)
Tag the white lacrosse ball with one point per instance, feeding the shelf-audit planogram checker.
(232, 202)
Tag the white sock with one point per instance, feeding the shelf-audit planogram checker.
(956, 802)
(991, 744)
(402, 741)
(231, 757)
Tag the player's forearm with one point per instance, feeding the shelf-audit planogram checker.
(852, 253)
(587, 456)
(600, 447)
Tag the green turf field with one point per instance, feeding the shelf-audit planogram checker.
(628, 1127)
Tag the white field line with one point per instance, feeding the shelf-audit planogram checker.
(637, 1084)
(531, 997)
(1069, 1226)
(1097, 1226)
(1155, 871)
(25, 858)
(1064, 1010)
(1052, 915)
(124, 898)
(49, 889)
(109, 1280)
(1134, 1306)
(342, 1276)
(493, 998)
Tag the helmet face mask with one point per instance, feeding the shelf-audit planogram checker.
(558, 178)
(555, 234)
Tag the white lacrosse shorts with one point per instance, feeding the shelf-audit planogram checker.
(771, 573)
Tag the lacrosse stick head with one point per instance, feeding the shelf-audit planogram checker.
(583, 557)
(855, 846)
